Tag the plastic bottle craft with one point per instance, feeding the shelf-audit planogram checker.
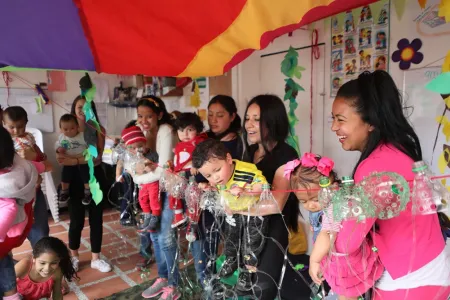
(167, 179)
(267, 202)
(350, 202)
(192, 196)
(179, 186)
(325, 194)
(117, 152)
(428, 196)
(388, 193)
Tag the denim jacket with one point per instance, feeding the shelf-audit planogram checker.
(315, 220)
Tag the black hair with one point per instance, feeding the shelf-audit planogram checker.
(130, 124)
(16, 113)
(56, 246)
(158, 106)
(377, 100)
(188, 119)
(7, 151)
(230, 106)
(94, 108)
(207, 150)
(274, 124)
(68, 118)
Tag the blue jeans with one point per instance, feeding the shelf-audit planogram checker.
(40, 227)
(204, 251)
(7, 275)
(316, 222)
(146, 242)
(165, 245)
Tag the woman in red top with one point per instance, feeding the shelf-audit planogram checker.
(41, 276)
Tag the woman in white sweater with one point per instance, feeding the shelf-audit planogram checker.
(154, 120)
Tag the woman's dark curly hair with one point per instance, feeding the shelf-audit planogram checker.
(56, 246)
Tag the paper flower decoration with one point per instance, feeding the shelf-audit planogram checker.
(408, 53)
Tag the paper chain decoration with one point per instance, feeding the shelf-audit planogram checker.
(90, 135)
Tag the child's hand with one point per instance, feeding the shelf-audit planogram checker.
(194, 171)
(61, 150)
(150, 166)
(315, 272)
(204, 186)
(236, 191)
(48, 166)
(27, 153)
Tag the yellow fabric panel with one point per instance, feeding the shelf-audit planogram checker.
(256, 18)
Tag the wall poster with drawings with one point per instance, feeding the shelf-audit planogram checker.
(359, 42)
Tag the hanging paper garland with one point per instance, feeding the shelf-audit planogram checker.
(90, 135)
(291, 69)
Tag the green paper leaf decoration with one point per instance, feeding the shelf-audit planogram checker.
(440, 84)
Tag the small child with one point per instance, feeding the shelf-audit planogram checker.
(189, 128)
(15, 120)
(71, 142)
(135, 142)
(41, 275)
(348, 275)
(18, 180)
(214, 162)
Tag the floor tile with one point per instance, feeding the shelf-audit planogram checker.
(105, 288)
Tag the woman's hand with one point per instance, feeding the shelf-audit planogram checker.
(27, 153)
(315, 272)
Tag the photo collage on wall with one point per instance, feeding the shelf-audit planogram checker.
(359, 42)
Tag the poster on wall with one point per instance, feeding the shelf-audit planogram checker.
(359, 42)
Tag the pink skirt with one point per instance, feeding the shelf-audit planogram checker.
(354, 274)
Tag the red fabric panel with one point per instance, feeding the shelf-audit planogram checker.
(152, 37)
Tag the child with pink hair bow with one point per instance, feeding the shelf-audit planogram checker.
(349, 276)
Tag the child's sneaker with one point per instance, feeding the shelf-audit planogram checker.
(155, 289)
(64, 197)
(178, 219)
(154, 223)
(170, 293)
(87, 197)
(75, 263)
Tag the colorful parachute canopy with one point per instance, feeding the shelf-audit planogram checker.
(159, 38)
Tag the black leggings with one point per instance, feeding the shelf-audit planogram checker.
(77, 214)
(271, 259)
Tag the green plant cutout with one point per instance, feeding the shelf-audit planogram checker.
(291, 69)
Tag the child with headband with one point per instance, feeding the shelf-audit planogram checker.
(348, 275)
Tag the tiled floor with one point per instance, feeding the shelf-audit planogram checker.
(120, 247)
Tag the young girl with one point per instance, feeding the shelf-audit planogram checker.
(357, 272)
(189, 128)
(41, 276)
(18, 179)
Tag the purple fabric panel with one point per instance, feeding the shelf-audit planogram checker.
(43, 34)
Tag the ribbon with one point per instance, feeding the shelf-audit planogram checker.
(324, 165)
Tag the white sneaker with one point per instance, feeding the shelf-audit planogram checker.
(75, 262)
(101, 265)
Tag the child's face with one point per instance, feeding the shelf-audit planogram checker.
(218, 171)
(46, 264)
(309, 199)
(187, 134)
(69, 129)
(15, 128)
(135, 147)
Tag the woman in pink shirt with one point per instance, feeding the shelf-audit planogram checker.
(368, 117)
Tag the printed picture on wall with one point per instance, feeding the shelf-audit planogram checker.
(336, 60)
(365, 59)
(366, 15)
(349, 26)
(380, 62)
(365, 37)
(335, 25)
(336, 82)
(384, 15)
(350, 68)
(337, 40)
(349, 46)
(381, 39)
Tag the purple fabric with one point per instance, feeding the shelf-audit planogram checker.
(43, 34)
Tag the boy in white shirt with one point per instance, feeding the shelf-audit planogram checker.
(71, 142)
